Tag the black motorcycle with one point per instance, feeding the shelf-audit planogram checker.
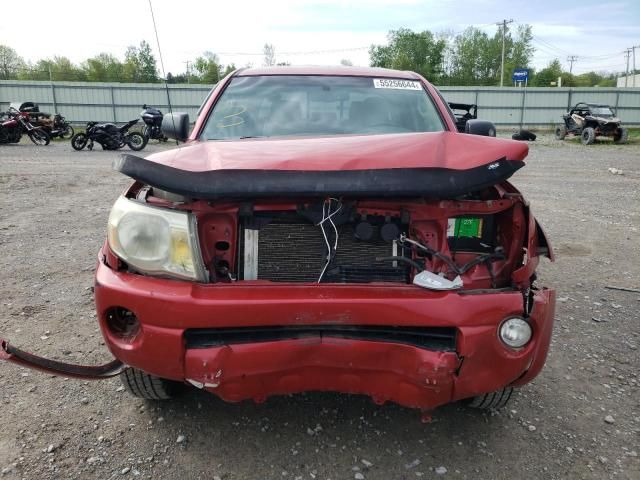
(60, 128)
(109, 136)
(152, 118)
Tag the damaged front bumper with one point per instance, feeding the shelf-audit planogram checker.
(259, 340)
(14, 355)
(275, 347)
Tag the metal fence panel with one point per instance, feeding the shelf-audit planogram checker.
(80, 102)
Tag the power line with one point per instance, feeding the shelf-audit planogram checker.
(571, 59)
(550, 45)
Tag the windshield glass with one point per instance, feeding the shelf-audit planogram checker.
(601, 112)
(279, 105)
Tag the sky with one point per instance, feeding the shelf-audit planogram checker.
(311, 32)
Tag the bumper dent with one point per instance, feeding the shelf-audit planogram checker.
(12, 354)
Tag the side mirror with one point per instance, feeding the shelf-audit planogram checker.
(176, 126)
(480, 127)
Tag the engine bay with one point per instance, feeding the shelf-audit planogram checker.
(471, 243)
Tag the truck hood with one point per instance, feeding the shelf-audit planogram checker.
(442, 165)
(448, 150)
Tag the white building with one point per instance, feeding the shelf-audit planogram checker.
(621, 83)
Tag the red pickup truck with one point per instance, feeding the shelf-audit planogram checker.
(323, 229)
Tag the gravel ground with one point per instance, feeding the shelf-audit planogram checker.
(579, 419)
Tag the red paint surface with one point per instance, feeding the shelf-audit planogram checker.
(404, 374)
(345, 152)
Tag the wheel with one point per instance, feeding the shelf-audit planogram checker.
(79, 141)
(149, 387)
(561, 132)
(39, 137)
(492, 401)
(588, 136)
(68, 132)
(136, 141)
(146, 132)
(621, 136)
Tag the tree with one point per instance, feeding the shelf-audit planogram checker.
(346, 62)
(147, 62)
(104, 67)
(140, 64)
(475, 57)
(547, 75)
(10, 63)
(518, 51)
(421, 52)
(228, 69)
(208, 67)
(269, 55)
(57, 69)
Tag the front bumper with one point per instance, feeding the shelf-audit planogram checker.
(386, 371)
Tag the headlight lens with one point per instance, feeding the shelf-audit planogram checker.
(515, 332)
(156, 240)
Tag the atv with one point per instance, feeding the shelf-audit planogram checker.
(590, 120)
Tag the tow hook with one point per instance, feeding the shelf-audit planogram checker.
(12, 354)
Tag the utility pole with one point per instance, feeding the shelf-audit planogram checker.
(503, 24)
(571, 59)
(188, 62)
(627, 54)
(634, 64)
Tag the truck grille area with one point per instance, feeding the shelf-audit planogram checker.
(430, 338)
(296, 251)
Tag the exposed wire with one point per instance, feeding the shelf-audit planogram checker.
(498, 254)
(327, 215)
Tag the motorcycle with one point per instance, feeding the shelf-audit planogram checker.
(60, 128)
(152, 118)
(17, 123)
(109, 136)
(55, 125)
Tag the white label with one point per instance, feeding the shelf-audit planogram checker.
(451, 227)
(396, 84)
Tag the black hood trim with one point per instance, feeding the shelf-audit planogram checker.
(387, 182)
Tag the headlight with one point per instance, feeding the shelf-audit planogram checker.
(515, 332)
(157, 241)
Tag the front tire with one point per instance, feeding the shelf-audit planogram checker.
(149, 387)
(39, 137)
(561, 132)
(621, 136)
(68, 132)
(136, 141)
(588, 136)
(492, 401)
(79, 141)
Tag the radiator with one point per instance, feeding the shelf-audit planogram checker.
(296, 252)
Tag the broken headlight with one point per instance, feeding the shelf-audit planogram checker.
(156, 241)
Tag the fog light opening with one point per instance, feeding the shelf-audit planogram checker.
(515, 332)
(122, 323)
